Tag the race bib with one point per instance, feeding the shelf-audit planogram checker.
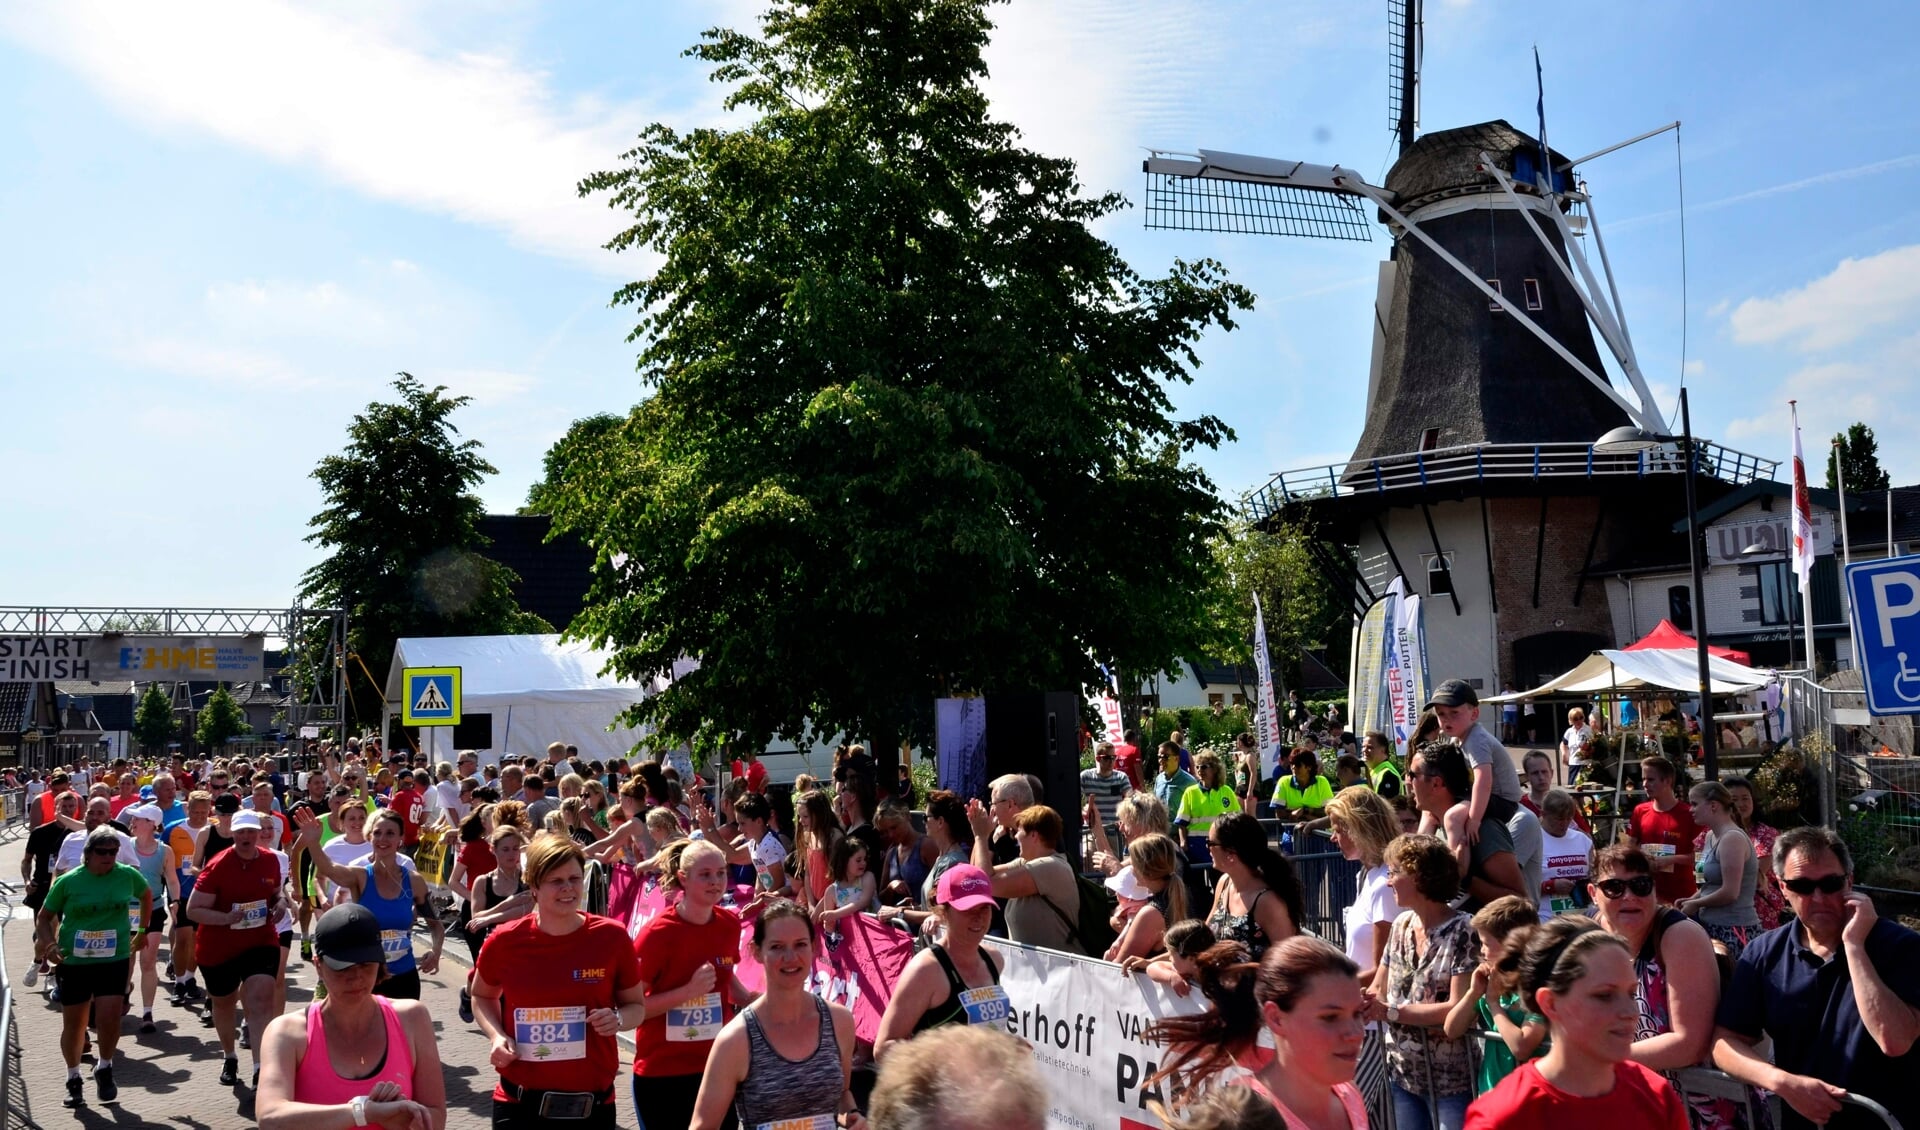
(1561, 904)
(816, 1122)
(395, 945)
(696, 1021)
(986, 1005)
(97, 945)
(548, 1035)
(134, 921)
(253, 915)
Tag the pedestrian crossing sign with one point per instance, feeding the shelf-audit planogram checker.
(430, 696)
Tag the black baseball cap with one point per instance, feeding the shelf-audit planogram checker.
(346, 936)
(1454, 692)
(226, 802)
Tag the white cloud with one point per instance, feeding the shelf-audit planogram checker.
(277, 309)
(218, 364)
(486, 386)
(1857, 296)
(1881, 388)
(477, 137)
(1695, 368)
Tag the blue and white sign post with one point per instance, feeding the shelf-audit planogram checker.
(1884, 607)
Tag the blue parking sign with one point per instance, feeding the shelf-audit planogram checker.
(1884, 608)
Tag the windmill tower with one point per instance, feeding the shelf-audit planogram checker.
(1474, 476)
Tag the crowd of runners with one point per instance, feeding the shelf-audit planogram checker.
(209, 880)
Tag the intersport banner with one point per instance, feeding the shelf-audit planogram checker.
(1085, 1021)
(1406, 665)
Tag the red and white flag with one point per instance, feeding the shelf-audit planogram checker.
(1802, 507)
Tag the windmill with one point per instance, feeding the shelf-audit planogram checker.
(1486, 389)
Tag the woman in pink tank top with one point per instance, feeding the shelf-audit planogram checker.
(372, 1057)
(1306, 994)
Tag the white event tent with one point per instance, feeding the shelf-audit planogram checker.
(536, 688)
(1607, 671)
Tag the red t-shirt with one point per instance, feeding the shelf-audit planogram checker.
(1524, 1100)
(411, 805)
(238, 882)
(671, 951)
(1674, 826)
(549, 982)
(1126, 758)
(120, 804)
(478, 856)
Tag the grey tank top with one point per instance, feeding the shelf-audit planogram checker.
(1742, 911)
(777, 1088)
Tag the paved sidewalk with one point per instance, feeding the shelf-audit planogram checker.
(171, 1078)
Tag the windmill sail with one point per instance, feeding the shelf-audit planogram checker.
(1231, 192)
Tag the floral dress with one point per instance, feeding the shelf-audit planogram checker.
(1423, 978)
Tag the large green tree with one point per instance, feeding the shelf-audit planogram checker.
(153, 721)
(221, 721)
(1302, 610)
(1856, 452)
(909, 431)
(581, 436)
(401, 529)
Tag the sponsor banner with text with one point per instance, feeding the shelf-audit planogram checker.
(113, 656)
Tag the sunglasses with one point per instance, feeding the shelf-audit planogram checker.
(1641, 885)
(1825, 884)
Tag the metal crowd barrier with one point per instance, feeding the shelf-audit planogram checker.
(13, 814)
(7, 1048)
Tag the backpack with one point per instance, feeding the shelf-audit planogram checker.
(1093, 931)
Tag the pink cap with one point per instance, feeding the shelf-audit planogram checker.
(964, 887)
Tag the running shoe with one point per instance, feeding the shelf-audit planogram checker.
(466, 1007)
(33, 975)
(246, 1041)
(176, 994)
(103, 1082)
(230, 1071)
(74, 1091)
(147, 1027)
(206, 1019)
(306, 950)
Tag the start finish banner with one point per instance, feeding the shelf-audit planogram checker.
(113, 656)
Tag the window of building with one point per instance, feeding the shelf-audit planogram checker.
(1216, 700)
(1532, 287)
(1779, 593)
(1439, 573)
(1491, 304)
(1430, 439)
(1680, 607)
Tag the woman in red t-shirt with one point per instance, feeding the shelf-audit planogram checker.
(1581, 979)
(550, 991)
(688, 956)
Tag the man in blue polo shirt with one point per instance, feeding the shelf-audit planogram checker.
(1837, 990)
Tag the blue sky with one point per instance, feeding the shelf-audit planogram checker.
(227, 225)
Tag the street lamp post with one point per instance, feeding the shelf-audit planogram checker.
(1627, 438)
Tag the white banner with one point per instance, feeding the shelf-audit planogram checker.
(1113, 726)
(1406, 666)
(1084, 1020)
(1266, 717)
(1367, 704)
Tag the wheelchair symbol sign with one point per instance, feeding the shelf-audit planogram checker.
(1884, 600)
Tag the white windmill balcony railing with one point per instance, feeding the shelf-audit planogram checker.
(1505, 462)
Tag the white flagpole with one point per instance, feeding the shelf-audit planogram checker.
(1802, 538)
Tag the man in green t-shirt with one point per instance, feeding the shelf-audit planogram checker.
(87, 925)
(1302, 794)
(1381, 771)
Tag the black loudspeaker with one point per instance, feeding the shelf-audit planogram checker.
(1039, 734)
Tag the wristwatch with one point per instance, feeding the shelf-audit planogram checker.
(1393, 1014)
(359, 1108)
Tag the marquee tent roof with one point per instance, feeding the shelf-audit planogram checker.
(537, 688)
(1666, 637)
(1668, 669)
